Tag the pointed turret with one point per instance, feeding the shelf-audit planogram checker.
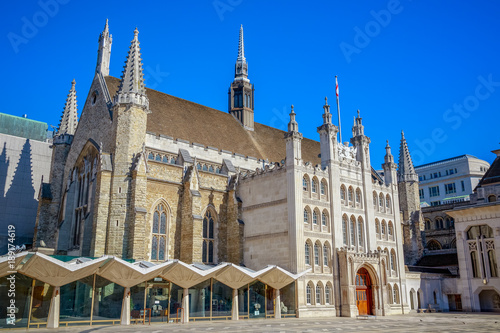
(69, 119)
(327, 116)
(389, 166)
(132, 89)
(293, 141)
(104, 51)
(358, 129)
(293, 126)
(406, 171)
(241, 97)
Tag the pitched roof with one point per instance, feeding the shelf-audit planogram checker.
(492, 176)
(69, 119)
(193, 122)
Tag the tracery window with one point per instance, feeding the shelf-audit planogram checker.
(308, 294)
(360, 233)
(208, 238)
(318, 293)
(316, 254)
(305, 184)
(325, 255)
(306, 216)
(315, 217)
(328, 295)
(344, 229)
(314, 186)
(353, 232)
(159, 234)
(323, 188)
(307, 254)
(324, 219)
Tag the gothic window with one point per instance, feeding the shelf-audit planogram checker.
(393, 260)
(360, 232)
(381, 202)
(238, 99)
(433, 245)
(324, 219)
(323, 188)
(210, 169)
(389, 294)
(388, 203)
(390, 229)
(316, 254)
(165, 159)
(308, 294)
(342, 193)
(480, 230)
(159, 234)
(383, 228)
(351, 194)
(315, 217)
(314, 186)
(353, 231)
(358, 196)
(305, 184)
(396, 294)
(158, 158)
(344, 229)
(318, 294)
(328, 294)
(205, 168)
(198, 166)
(151, 156)
(325, 255)
(208, 238)
(375, 199)
(173, 161)
(307, 254)
(377, 227)
(439, 223)
(493, 263)
(306, 216)
(474, 263)
(427, 225)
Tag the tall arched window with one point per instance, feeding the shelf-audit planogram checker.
(383, 228)
(328, 294)
(208, 238)
(307, 254)
(377, 227)
(353, 232)
(316, 254)
(393, 260)
(390, 298)
(351, 194)
(390, 229)
(358, 196)
(325, 255)
(318, 293)
(306, 216)
(323, 219)
(360, 232)
(305, 184)
(315, 217)
(344, 229)
(381, 202)
(314, 186)
(474, 263)
(396, 294)
(342, 193)
(159, 241)
(323, 187)
(388, 203)
(375, 200)
(308, 294)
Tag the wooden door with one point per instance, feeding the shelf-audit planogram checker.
(363, 292)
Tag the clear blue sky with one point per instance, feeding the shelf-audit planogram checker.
(428, 68)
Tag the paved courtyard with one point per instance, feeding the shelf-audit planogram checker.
(436, 322)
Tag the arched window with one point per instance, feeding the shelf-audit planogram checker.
(198, 166)
(360, 232)
(381, 202)
(390, 229)
(433, 245)
(315, 217)
(474, 263)
(151, 156)
(305, 184)
(205, 168)
(358, 196)
(308, 293)
(427, 225)
(377, 227)
(307, 254)
(388, 203)
(375, 199)
(165, 159)
(328, 294)
(323, 187)
(351, 194)
(493, 263)
(353, 231)
(439, 223)
(396, 294)
(316, 254)
(492, 198)
(306, 216)
(325, 255)
(159, 233)
(342, 193)
(158, 158)
(208, 238)
(390, 298)
(344, 229)
(384, 231)
(324, 219)
(314, 186)
(318, 293)
(393, 260)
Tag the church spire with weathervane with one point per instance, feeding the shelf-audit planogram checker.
(241, 91)
(69, 119)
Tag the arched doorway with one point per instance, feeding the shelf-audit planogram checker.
(363, 292)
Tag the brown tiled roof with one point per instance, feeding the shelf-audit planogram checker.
(182, 119)
(492, 175)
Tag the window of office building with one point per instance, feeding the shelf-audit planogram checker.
(450, 188)
(434, 191)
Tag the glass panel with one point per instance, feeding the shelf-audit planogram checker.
(108, 299)
(199, 300)
(16, 316)
(156, 219)
(175, 302)
(163, 225)
(165, 159)
(257, 300)
(154, 249)
(137, 301)
(210, 251)
(205, 227)
(161, 253)
(211, 228)
(42, 295)
(157, 298)
(287, 299)
(222, 300)
(204, 252)
(270, 300)
(243, 301)
(76, 300)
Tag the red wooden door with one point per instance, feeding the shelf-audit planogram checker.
(363, 292)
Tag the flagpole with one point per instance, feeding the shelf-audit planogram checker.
(338, 106)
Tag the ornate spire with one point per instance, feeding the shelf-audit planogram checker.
(241, 68)
(69, 119)
(104, 51)
(388, 155)
(358, 129)
(327, 116)
(132, 88)
(406, 171)
(292, 125)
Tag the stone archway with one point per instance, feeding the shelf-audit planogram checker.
(364, 293)
(489, 300)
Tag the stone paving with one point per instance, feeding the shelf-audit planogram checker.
(434, 322)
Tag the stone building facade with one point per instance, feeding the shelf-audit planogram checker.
(143, 176)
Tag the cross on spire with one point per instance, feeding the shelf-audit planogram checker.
(69, 120)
